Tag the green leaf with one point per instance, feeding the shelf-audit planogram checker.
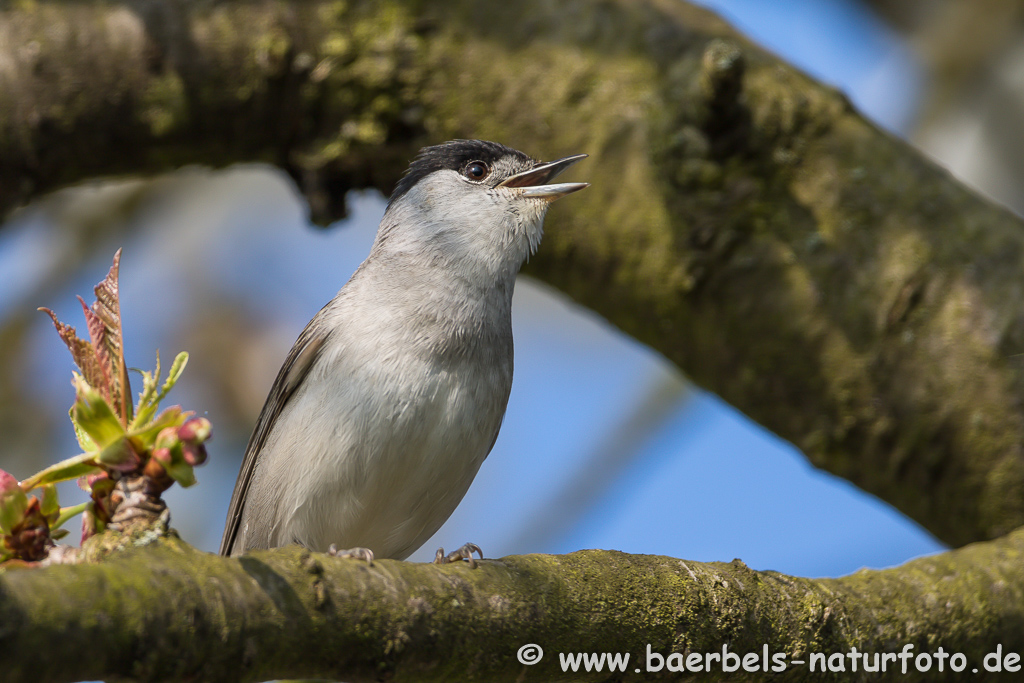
(181, 472)
(150, 397)
(13, 502)
(94, 415)
(177, 367)
(144, 437)
(85, 442)
(72, 468)
(142, 416)
(147, 404)
(50, 504)
(118, 454)
(69, 512)
(57, 534)
(172, 459)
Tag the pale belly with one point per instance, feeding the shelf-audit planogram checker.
(375, 465)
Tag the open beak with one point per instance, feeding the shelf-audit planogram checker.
(533, 182)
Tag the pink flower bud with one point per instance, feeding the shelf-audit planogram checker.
(8, 483)
(162, 455)
(194, 454)
(167, 437)
(13, 502)
(195, 430)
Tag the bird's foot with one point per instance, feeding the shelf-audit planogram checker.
(463, 553)
(354, 553)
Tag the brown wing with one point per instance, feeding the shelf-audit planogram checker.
(300, 359)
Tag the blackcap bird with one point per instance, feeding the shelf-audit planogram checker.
(392, 396)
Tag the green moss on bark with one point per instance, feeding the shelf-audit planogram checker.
(164, 611)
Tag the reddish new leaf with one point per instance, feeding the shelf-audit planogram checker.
(109, 343)
(102, 358)
(82, 352)
(97, 335)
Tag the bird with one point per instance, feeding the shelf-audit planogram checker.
(394, 393)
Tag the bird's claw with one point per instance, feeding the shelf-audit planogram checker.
(354, 553)
(463, 553)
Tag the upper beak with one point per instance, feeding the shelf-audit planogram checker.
(533, 182)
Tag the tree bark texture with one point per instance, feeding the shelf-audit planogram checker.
(167, 612)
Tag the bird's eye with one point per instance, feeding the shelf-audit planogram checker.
(476, 170)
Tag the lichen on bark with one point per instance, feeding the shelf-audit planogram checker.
(160, 610)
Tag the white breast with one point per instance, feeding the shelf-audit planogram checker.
(382, 441)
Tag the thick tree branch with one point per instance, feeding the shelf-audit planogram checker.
(168, 612)
(745, 222)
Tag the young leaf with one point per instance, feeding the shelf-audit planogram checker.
(13, 502)
(173, 461)
(82, 352)
(108, 309)
(72, 468)
(177, 367)
(119, 455)
(97, 334)
(147, 404)
(144, 436)
(85, 442)
(94, 415)
(50, 506)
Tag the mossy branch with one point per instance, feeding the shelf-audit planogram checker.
(166, 612)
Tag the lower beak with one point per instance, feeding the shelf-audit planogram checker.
(532, 182)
